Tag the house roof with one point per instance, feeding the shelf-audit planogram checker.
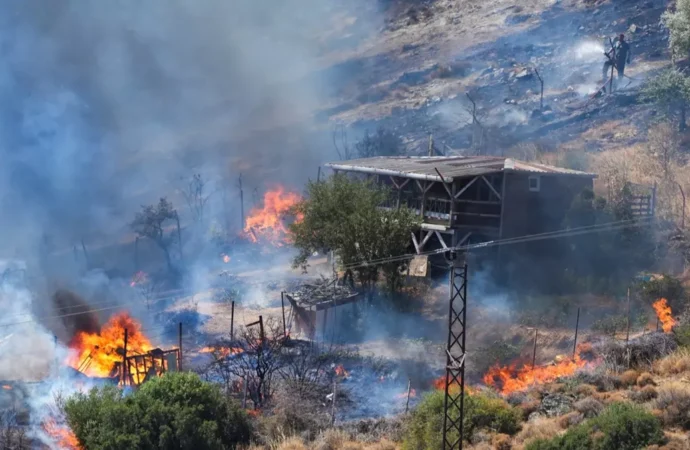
(425, 167)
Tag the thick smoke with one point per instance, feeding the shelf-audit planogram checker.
(105, 106)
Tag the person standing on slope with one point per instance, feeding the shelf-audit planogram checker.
(618, 56)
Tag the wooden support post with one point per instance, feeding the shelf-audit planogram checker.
(534, 351)
(453, 189)
(232, 321)
(282, 306)
(241, 204)
(179, 347)
(407, 404)
(541, 96)
(261, 330)
(335, 395)
(318, 175)
(124, 360)
(431, 144)
(627, 325)
(577, 327)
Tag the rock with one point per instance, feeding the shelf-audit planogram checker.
(632, 29)
(524, 74)
(571, 89)
(535, 416)
(556, 405)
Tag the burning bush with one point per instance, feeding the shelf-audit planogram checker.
(640, 352)
(619, 426)
(482, 412)
(196, 415)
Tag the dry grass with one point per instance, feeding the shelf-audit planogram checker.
(330, 440)
(293, 443)
(629, 377)
(676, 363)
(501, 442)
(644, 395)
(589, 407)
(585, 390)
(673, 404)
(645, 379)
(570, 420)
(538, 429)
(529, 407)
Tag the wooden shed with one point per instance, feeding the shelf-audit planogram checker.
(474, 199)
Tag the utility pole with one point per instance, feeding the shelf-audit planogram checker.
(241, 203)
(453, 404)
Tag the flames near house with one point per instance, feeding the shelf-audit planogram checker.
(267, 223)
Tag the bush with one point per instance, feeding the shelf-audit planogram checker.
(640, 352)
(673, 364)
(645, 379)
(174, 411)
(629, 377)
(423, 430)
(666, 287)
(620, 426)
(589, 407)
(644, 395)
(539, 429)
(674, 403)
(610, 325)
(682, 334)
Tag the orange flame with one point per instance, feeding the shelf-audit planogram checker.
(96, 354)
(266, 222)
(341, 372)
(663, 312)
(510, 378)
(254, 412)
(62, 435)
(222, 351)
(413, 394)
(7, 387)
(226, 259)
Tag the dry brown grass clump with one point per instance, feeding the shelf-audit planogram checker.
(589, 407)
(673, 404)
(529, 407)
(585, 390)
(629, 377)
(331, 439)
(643, 395)
(645, 379)
(538, 429)
(293, 443)
(501, 442)
(673, 364)
(570, 420)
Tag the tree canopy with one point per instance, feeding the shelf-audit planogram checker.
(150, 223)
(678, 23)
(671, 90)
(176, 411)
(344, 215)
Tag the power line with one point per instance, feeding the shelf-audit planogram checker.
(609, 226)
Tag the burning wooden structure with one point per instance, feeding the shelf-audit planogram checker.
(318, 303)
(474, 199)
(141, 368)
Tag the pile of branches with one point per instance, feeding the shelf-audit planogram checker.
(320, 291)
(639, 352)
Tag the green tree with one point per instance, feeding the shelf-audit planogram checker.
(345, 215)
(176, 411)
(482, 412)
(678, 23)
(380, 143)
(671, 90)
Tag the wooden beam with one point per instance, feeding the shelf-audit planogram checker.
(445, 185)
(462, 241)
(495, 216)
(426, 239)
(424, 188)
(491, 186)
(452, 205)
(392, 178)
(440, 239)
(478, 202)
(462, 191)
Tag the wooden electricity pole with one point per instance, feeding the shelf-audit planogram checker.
(241, 203)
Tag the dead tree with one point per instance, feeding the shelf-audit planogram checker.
(255, 356)
(341, 144)
(478, 132)
(196, 195)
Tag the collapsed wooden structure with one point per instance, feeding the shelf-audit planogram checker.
(313, 302)
(141, 368)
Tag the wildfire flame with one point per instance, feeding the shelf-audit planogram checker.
(223, 352)
(226, 259)
(62, 435)
(341, 372)
(413, 394)
(663, 312)
(266, 222)
(96, 354)
(510, 378)
(7, 387)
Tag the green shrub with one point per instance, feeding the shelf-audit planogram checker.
(482, 412)
(174, 411)
(621, 426)
(682, 335)
(665, 286)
